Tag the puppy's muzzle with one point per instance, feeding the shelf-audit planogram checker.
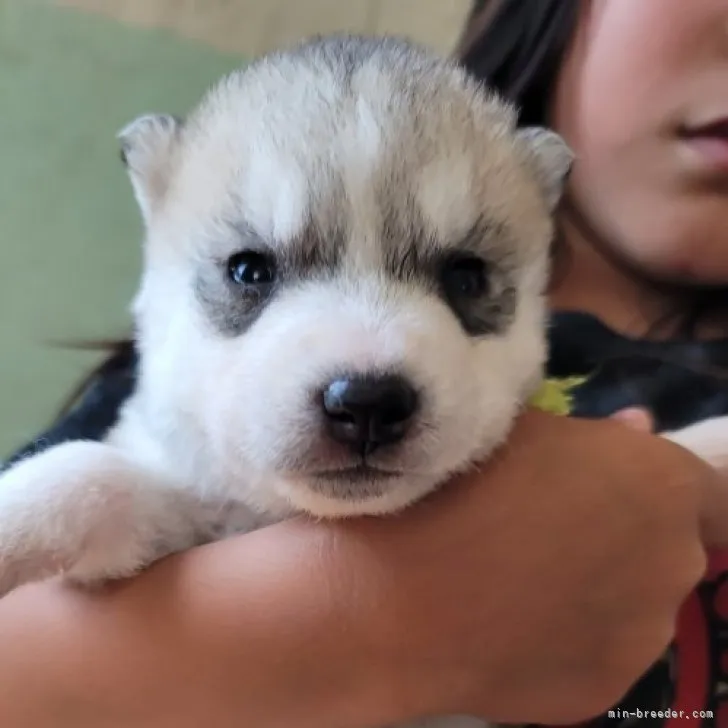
(365, 413)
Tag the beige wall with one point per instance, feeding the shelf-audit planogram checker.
(251, 27)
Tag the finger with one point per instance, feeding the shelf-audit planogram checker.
(636, 418)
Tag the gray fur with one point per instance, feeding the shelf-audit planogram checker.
(231, 310)
(360, 166)
(551, 161)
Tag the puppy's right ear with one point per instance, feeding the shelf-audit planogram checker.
(550, 158)
(146, 150)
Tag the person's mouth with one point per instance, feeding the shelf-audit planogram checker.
(708, 142)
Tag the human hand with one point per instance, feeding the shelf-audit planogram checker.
(544, 586)
(637, 418)
(707, 440)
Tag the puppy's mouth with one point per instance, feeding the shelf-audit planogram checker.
(360, 483)
(362, 472)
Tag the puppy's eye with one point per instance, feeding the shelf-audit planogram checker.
(251, 269)
(464, 277)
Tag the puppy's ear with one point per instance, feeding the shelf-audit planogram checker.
(550, 158)
(146, 149)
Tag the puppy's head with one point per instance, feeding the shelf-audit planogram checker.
(346, 253)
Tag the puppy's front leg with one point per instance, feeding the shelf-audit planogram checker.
(85, 510)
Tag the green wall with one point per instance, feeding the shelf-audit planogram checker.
(69, 230)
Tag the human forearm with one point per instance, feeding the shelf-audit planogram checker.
(372, 622)
(255, 633)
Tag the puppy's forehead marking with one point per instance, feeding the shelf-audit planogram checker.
(316, 252)
(275, 193)
(366, 142)
(413, 251)
(444, 193)
(363, 155)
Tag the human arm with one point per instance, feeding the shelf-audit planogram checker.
(537, 590)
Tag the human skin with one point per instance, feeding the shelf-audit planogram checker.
(538, 588)
(647, 210)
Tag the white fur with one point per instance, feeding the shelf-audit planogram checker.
(269, 176)
(222, 434)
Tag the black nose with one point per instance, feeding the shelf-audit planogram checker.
(366, 412)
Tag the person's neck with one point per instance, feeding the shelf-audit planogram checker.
(588, 279)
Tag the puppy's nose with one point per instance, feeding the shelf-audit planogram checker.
(369, 411)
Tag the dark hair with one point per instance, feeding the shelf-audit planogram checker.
(517, 48)
(93, 407)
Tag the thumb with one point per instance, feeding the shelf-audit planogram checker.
(635, 418)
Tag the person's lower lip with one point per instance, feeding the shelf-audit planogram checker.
(711, 150)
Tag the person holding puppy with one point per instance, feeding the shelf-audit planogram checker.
(537, 590)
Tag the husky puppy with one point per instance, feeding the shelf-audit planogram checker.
(341, 306)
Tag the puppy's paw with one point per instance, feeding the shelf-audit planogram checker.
(69, 510)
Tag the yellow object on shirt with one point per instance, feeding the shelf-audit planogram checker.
(555, 395)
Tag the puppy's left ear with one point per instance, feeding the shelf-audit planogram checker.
(550, 159)
(146, 150)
